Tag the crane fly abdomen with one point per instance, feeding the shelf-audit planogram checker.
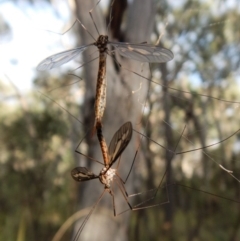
(100, 100)
(103, 144)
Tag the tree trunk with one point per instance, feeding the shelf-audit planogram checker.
(122, 106)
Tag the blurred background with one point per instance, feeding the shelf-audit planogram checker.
(186, 104)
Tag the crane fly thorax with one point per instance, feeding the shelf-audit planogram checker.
(101, 43)
(106, 176)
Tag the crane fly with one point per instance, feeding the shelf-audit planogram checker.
(107, 175)
(140, 52)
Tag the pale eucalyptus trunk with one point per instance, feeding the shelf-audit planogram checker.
(121, 107)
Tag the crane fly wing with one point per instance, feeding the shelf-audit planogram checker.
(143, 52)
(82, 174)
(119, 142)
(61, 58)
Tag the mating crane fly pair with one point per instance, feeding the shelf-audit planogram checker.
(120, 140)
(140, 52)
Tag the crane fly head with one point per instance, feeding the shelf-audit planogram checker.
(102, 42)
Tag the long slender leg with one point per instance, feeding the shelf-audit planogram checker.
(87, 217)
(139, 206)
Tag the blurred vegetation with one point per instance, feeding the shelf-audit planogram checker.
(207, 43)
(38, 138)
(36, 159)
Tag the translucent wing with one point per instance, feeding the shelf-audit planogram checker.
(119, 142)
(81, 174)
(143, 52)
(61, 58)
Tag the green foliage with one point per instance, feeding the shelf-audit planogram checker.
(36, 159)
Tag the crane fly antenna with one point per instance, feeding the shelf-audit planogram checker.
(86, 29)
(110, 17)
(90, 13)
